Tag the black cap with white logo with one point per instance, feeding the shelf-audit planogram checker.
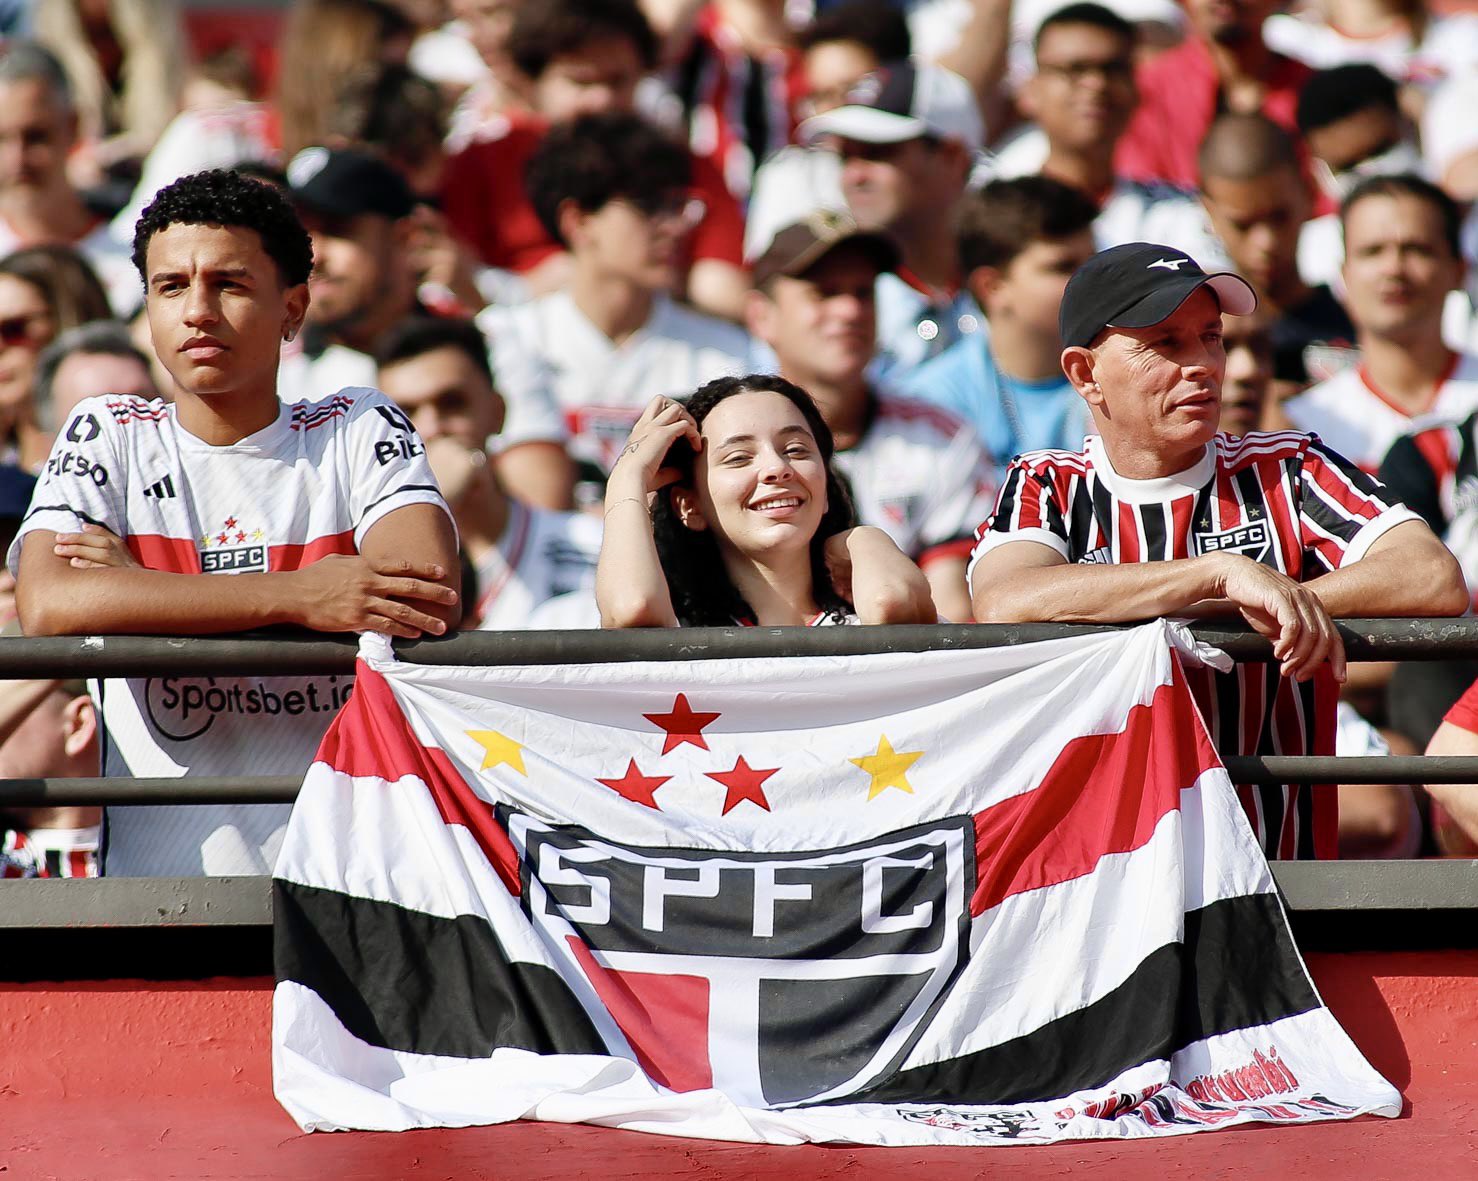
(1139, 284)
(345, 182)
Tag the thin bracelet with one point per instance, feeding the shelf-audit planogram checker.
(641, 500)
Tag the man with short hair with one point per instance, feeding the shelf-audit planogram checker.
(38, 205)
(1258, 201)
(907, 137)
(1019, 243)
(437, 372)
(1081, 98)
(83, 362)
(48, 730)
(1161, 515)
(324, 514)
(917, 472)
(1245, 391)
(615, 192)
(356, 207)
(1401, 260)
(581, 57)
(1223, 65)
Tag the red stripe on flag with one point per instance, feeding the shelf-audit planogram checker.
(295, 557)
(664, 1018)
(175, 555)
(371, 738)
(1104, 794)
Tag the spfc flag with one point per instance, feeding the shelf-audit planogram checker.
(995, 896)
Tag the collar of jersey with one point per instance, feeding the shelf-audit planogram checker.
(1152, 491)
(266, 439)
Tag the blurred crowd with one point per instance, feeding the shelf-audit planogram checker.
(529, 218)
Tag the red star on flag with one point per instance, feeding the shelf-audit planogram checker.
(240, 536)
(230, 522)
(682, 725)
(222, 538)
(744, 783)
(636, 787)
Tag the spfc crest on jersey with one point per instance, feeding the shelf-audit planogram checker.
(233, 549)
(777, 978)
(1252, 540)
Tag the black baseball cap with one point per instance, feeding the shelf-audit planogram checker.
(800, 246)
(345, 182)
(1139, 284)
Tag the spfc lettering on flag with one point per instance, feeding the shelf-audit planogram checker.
(1250, 540)
(778, 978)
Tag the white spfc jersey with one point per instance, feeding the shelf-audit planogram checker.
(1351, 414)
(309, 485)
(922, 476)
(548, 351)
(540, 556)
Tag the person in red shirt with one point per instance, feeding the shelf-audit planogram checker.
(583, 57)
(1223, 65)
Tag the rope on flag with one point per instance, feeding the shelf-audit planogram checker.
(976, 897)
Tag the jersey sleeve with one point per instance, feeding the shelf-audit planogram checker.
(720, 235)
(1464, 712)
(84, 481)
(1342, 511)
(387, 463)
(1412, 480)
(965, 491)
(1028, 508)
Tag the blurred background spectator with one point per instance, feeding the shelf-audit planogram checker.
(44, 290)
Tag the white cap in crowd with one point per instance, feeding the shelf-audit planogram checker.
(901, 101)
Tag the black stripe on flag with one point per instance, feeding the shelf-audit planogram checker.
(1236, 968)
(420, 983)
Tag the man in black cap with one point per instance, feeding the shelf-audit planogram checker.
(1162, 515)
(916, 471)
(355, 206)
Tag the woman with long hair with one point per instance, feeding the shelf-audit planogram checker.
(724, 508)
(44, 290)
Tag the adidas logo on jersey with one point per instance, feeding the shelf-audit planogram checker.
(161, 489)
(1102, 556)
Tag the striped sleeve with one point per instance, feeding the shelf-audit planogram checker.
(1342, 510)
(1028, 508)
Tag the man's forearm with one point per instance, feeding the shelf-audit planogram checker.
(152, 602)
(1091, 593)
(1408, 572)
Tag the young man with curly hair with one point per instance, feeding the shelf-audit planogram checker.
(324, 513)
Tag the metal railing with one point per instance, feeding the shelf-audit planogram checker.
(228, 903)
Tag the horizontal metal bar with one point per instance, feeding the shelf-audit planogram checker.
(296, 653)
(283, 789)
(79, 903)
(201, 789)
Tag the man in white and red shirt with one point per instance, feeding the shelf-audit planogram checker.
(1402, 258)
(1162, 515)
(614, 190)
(916, 471)
(325, 515)
(436, 370)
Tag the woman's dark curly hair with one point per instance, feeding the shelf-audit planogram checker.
(220, 197)
(702, 593)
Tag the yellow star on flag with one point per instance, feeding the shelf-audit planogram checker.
(888, 768)
(499, 749)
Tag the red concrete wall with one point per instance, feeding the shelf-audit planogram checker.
(129, 1080)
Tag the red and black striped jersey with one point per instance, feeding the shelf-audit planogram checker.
(1282, 499)
(1434, 472)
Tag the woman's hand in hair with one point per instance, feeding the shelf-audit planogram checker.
(639, 469)
(877, 578)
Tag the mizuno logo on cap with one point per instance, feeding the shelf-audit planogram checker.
(1169, 264)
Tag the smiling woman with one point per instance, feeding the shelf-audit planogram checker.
(724, 509)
